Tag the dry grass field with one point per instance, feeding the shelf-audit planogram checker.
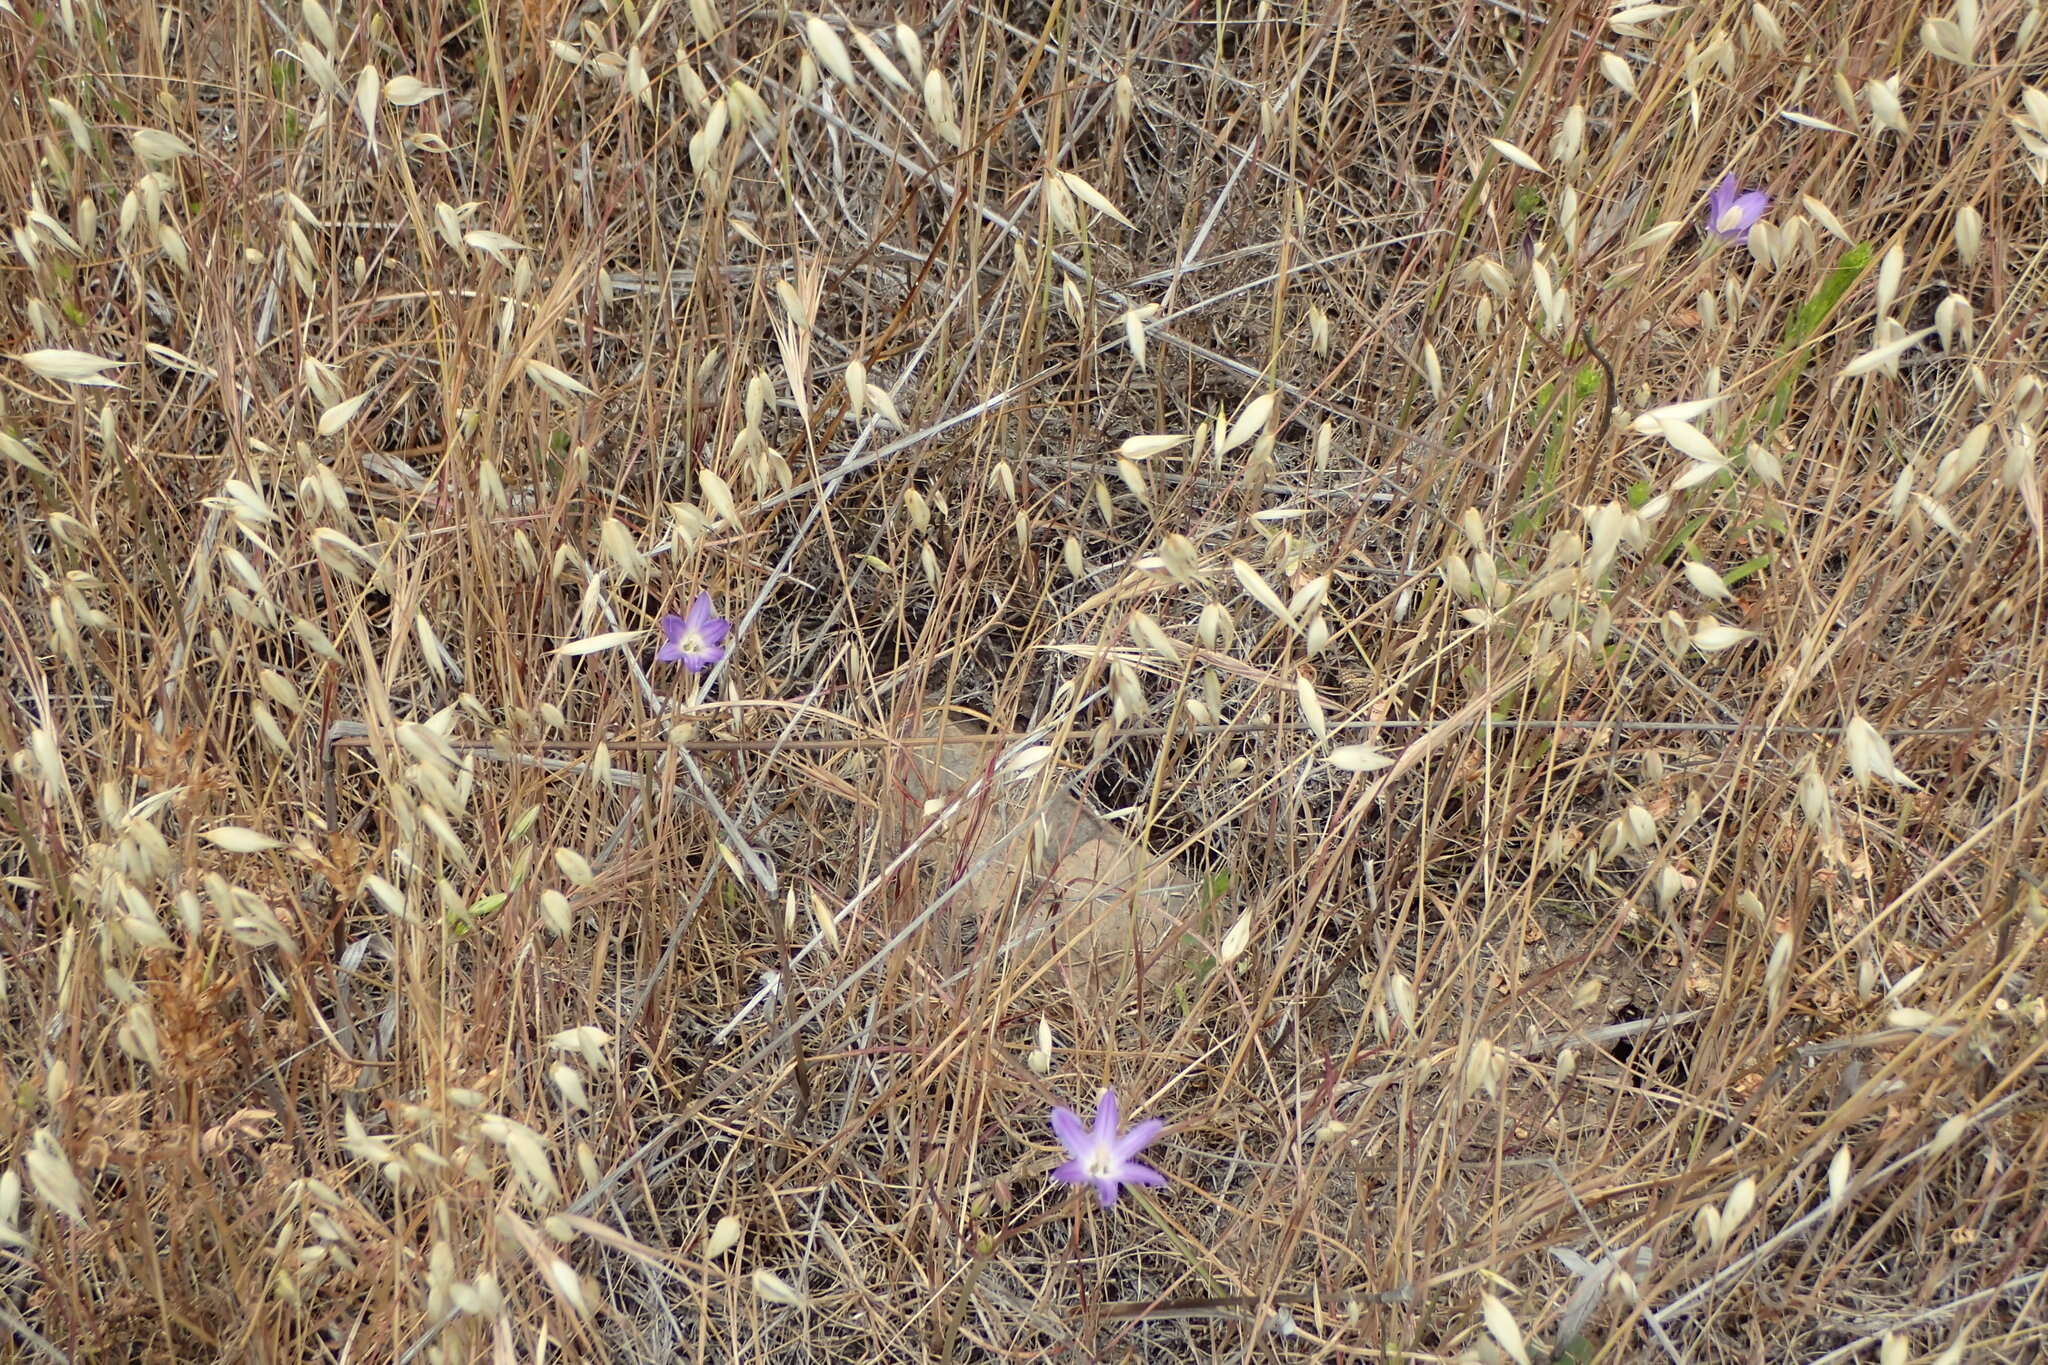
(1321, 566)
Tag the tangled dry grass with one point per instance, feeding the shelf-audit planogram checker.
(1581, 678)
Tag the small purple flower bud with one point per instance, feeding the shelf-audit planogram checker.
(1732, 212)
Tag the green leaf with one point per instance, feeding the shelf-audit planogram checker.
(1815, 310)
(1577, 1351)
(1812, 315)
(1748, 568)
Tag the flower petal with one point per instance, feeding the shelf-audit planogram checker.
(1718, 200)
(1066, 1126)
(1105, 1117)
(1138, 1139)
(1108, 1188)
(671, 651)
(1070, 1173)
(714, 631)
(1138, 1173)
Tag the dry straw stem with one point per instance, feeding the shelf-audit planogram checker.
(1575, 680)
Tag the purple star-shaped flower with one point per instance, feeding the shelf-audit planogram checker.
(1103, 1157)
(1732, 212)
(695, 640)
